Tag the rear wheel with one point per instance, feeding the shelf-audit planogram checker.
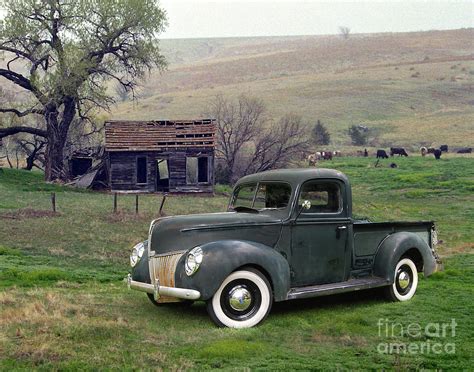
(243, 300)
(405, 281)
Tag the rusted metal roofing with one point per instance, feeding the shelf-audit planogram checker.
(123, 135)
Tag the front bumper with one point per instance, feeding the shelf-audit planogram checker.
(157, 290)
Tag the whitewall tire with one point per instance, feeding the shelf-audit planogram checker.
(405, 281)
(243, 300)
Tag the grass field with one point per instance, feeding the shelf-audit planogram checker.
(414, 88)
(64, 305)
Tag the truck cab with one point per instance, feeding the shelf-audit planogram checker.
(286, 234)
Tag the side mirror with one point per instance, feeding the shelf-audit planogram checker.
(306, 205)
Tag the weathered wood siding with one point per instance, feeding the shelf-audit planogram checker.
(123, 170)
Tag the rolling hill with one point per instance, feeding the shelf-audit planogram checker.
(413, 88)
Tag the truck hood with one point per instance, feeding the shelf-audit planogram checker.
(179, 233)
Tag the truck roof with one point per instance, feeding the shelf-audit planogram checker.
(294, 176)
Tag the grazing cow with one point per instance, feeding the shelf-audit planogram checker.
(437, 154)
(360, 153)
(431, 150)
(444, 148)
(337, 153)
(327, 155)
(312, 160)
(423, 151)
(466, 150)
(382, 154)
(398, 151)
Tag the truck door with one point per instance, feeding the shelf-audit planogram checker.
(320, 251)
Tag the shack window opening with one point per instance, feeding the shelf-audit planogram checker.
(203, 169)
(191, 170)
(141, 170)
(163, 172)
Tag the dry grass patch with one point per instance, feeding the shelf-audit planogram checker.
(29, 213)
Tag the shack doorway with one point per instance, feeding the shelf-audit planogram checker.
(162, 175)
(80, 166)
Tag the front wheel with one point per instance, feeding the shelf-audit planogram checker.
(243, 300)
(405, 281)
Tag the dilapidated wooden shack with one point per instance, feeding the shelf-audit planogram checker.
(165, 155)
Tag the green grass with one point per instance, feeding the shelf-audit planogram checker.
(64, 304)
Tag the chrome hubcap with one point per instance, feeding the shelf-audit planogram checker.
(403, 280)
(239, 298)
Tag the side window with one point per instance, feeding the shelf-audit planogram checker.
(243, 197)
(272, 195)
(325, 197)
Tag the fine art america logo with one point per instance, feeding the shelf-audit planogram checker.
(430, 338)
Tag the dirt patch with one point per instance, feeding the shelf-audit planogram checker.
(467, 248)
(28, 213)
(346, 340)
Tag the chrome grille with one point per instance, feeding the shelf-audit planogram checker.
(165, 267)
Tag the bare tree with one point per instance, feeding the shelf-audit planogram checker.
(33, 149)
(278, 145)
(344, 31)
(237, 124)
(249, 142)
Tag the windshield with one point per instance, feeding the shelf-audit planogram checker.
(264, 195)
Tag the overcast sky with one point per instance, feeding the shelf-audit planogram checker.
(223, 18)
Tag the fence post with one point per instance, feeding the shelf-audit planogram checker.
(53, 201)
(115, 202)
(162, 204)
(136, 204)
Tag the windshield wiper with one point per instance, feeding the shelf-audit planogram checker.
(245, 209)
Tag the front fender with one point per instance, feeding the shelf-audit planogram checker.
(222, 257)
(394, 247)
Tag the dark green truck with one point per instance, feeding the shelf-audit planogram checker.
(287, 234)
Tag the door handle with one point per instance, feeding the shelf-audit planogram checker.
(339, 229)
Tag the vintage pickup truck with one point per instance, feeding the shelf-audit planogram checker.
(287, 234)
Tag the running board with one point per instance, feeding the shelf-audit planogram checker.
(333, 288)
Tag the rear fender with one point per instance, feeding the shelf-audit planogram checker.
(397, 245)
(223, 257)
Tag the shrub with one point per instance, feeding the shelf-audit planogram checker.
(320, 134)
(359, 134)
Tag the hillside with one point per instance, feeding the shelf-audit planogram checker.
(416, 88)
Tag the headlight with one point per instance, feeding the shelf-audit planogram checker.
(137, 253)
(193, 260)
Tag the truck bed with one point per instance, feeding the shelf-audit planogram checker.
(369, 235)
